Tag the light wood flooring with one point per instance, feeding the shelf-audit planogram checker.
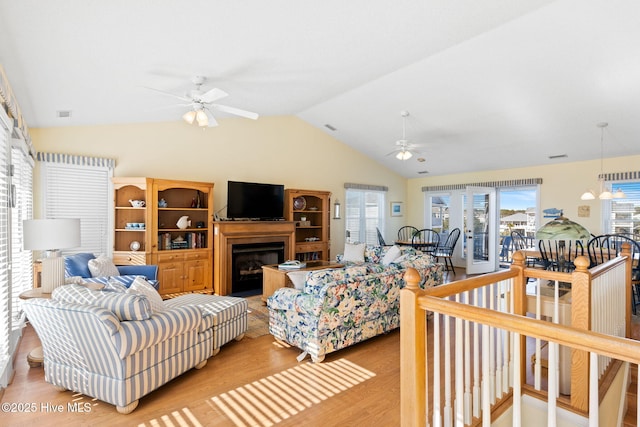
(254, 382)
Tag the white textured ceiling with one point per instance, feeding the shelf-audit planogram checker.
(488, 84)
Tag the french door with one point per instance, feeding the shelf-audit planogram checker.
(481, 248)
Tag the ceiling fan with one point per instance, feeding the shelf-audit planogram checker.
(405, 149)
(202, 103)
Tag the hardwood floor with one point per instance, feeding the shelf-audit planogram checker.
(355, 386)
(254, 382)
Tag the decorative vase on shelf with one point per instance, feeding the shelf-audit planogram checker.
(183, 222)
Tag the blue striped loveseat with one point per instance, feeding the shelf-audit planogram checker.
(117, 346)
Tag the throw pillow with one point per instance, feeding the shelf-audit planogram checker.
(392, 253)
(114, 286)
(124, 306)
(102, 266)
(142, 287)
(297, 278)
(76, 265)
(353, 253)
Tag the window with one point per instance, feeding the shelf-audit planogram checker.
(364, 212)
(22, 209)
(622, 216)
(80, 187)
(6, 341)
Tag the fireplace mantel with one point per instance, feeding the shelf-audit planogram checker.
(229, 233)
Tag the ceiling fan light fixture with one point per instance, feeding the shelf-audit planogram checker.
(202, 118)
(404, 155)
(189, 116)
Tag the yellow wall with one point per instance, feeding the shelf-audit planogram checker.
(286, 150)
(562, 186)
(279, 150)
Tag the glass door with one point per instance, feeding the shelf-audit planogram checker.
(480, 230)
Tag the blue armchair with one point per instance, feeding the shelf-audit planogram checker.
(78, 265)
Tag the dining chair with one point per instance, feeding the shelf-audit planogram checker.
(446, 249)
(506, 249)
(604, 247)
(381, 241)
(559, 255)
(520, 243)
(405, 234)
(426, 240)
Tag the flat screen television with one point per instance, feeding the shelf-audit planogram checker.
(255, 201)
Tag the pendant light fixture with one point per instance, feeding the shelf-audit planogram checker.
(605, 194)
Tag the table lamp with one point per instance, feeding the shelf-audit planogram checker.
(51, 235)
(562, 229)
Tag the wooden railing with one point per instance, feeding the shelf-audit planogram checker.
(482, 333)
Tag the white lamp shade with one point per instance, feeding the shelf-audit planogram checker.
(51, 234)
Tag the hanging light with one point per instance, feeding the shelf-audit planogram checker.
(404, 155)
(202, 118)
(605, 194)
(189, 116)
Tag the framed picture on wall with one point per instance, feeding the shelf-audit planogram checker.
(396, 208)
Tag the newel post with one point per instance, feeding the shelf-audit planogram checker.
(580, 319)
(413, 379)
(520, 305)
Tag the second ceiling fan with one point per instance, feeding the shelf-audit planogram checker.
(405, 149)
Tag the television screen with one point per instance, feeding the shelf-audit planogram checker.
(251, 200)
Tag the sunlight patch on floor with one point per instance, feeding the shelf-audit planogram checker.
(270, 400)
(181, 418)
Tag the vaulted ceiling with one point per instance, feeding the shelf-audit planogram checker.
(488, 84)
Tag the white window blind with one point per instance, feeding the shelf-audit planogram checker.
(623, 215)
(364, 212)
(5, 250)
(77, 187)
(22, 209)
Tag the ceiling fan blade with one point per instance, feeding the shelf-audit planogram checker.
(212, 120)
(236, 111)
(182, 98)
(213, 95)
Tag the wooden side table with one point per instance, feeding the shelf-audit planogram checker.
(274, 278)
(35, 356)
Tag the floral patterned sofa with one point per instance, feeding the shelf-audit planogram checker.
(339, 307)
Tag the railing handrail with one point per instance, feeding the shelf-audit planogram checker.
(607, 345)
(576, 334)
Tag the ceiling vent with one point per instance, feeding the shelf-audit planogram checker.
(558, 156)
(423, 172)
(328, 126)
(63, 114)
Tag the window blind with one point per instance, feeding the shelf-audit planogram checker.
(22, 209)
(79, 187)
(364, 212)
(5, 273)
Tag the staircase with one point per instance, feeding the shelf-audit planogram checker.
(632, 398)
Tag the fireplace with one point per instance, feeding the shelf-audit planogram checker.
(247, 261)
(240, 235)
